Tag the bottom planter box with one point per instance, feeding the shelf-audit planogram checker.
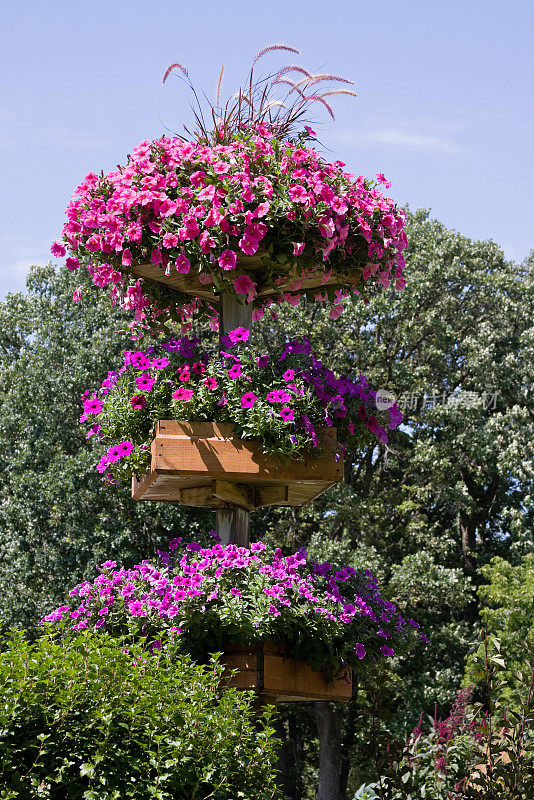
(205, 464)
(268, 671)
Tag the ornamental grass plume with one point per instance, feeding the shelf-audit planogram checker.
(278, 101)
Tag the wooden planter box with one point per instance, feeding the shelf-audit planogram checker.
(205, 464)
(268, 671)
(192, 286)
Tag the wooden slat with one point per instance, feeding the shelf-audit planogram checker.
(271, 496)
(231, 459)
(237, 494)
(284, 678)
(191, 285)
(187, 457)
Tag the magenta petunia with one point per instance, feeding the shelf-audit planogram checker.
(227, 260)
(237, 335)
(183, 265)
(248, 399)
(211, 383)
(289, 375)
(72, 263)
(93, 406)
(235, 371)
(57, 250)
(286, 414)
(359, 649)
(278, 396)
(243, 285)
(138, 401)
(144, 382)
(139, 360)
(159, 363)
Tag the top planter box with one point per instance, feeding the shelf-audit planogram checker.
(192, 286)
(205, 464)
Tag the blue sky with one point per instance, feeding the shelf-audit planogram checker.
(445, 105)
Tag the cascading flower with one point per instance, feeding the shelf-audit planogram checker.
(333, 618)
(205, 210)
(282, 399)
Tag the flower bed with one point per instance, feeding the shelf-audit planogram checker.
(278, 399)
(254, 217)
(331, 619)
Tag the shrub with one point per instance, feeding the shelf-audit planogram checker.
(97, 717)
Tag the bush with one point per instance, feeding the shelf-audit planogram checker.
(97, 717)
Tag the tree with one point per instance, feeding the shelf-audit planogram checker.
(57, 520)
(450, 490)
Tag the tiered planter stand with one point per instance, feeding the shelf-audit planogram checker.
(204, 464)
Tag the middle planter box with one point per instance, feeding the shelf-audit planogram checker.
(206, 464)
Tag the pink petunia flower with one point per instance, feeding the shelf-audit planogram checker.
(139, 360)
(382, 179)
(248, 245)
(211, 383)
(235, 371)
(239, 335)
(170, 240)
(183, 265)
(183, 395)
(278, 396)
(227, 260)
(159, 363)
(262, 210)
(72, 263)
(297, 194)
(57, 250)
(138, 401)
(286, 414)
(93, 406)
(243, 284)
(298, 248)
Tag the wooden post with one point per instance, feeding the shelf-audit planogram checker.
(233, 523)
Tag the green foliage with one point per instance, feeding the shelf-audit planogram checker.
(504, 769)
(57, 520)
(508, 614)
(100, 718)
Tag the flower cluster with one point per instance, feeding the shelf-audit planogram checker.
(190, 208)
(281, 399)
(331, 618)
